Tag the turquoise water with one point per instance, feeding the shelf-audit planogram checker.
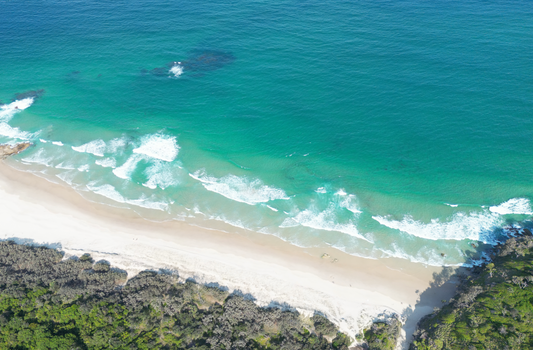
(381, 128)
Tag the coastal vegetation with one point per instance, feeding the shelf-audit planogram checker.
(383, 335)
(47, 302)
(493, 308)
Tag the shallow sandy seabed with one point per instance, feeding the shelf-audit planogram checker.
(351, 291)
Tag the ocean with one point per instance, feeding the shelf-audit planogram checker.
(380, 128)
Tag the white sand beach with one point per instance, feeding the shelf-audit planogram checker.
(351, 291)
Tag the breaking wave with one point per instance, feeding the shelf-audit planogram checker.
(15, 133)
(96, 147)
(330, 219)
(324, 209)
(125, 170)
(39, 157)
(106, 162)
(107, 191)
(110, 192)
(116, 145)
(176, 70)
(158, 146)
(239, 189)
(477, 226)
(474, 226)
(7, 112)
(161, 174)
(513, 206)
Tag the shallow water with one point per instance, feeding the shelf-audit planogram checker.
(381, 128)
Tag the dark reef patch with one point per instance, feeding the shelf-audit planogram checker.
(199, 62)
(207, 60)
(35, 94)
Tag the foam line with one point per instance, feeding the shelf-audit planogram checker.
(161, 174)
(126, 169)
(240, 189)
(158, 146)
(106, 162)
(474, 226)
(96, 147)
(323, 220)
(7, 111)
(520, 206)
(15, 133)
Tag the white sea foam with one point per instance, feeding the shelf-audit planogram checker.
(348, 201)
(65, 165)
(474, 226)
(84, 168)
(271, 208)
(161, 174)
(110, 192)
(323, 220)
(321, 190)
(147, 203)
(67, 176)
(197, 210)
(43, 141)
(513, 206)
(236, 223)
(240, 189)
(341, 192)
(329, 219)
(107, 191)
(57, 143)
(7, 111)
(177, 70)
(158, 146)
(39, 157)
(116, 145)
(452, 205)
(96, 147)
(126, 169)
(14, 133)
(106, 162)
(431, 258)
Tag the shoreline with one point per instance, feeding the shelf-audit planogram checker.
(352, 291)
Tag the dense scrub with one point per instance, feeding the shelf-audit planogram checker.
(50, 303)
(383, 335)
(493, 308)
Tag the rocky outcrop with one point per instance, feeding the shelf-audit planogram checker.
(9, 150)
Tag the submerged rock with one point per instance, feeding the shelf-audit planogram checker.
(207, 60)
(199, 62)
(9, 150)
(35, 94)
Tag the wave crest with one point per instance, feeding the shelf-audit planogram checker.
(158, 146)
(176, 69)
(7, 111)
(96, 147)
(513, 206)
(474, 226)
(240, 189)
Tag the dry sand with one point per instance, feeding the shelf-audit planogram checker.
(351, 291)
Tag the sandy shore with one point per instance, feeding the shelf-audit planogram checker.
(351, 291)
